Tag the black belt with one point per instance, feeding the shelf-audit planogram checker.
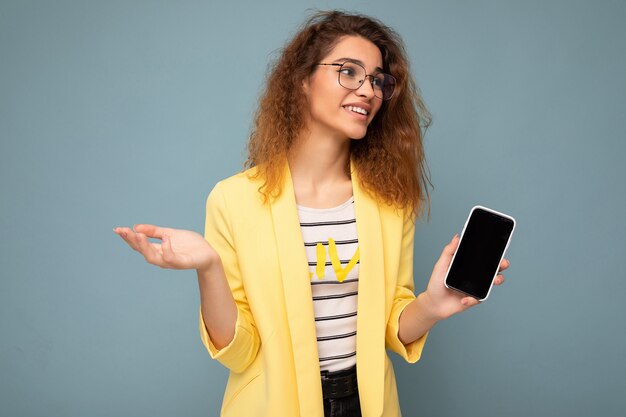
(339, 384)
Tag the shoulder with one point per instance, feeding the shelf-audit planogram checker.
(239, 189)
(239, 182)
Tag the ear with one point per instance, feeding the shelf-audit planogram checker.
(306, 85)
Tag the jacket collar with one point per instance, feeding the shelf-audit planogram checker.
(298, 298)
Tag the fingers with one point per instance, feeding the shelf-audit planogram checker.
(139, 242)
(146, 249)
(469, 301)
(128, 235)
(500, 278)
(504, 265)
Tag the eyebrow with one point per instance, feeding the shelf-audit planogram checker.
(357, 61)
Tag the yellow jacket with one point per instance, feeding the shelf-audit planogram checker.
(273, 359)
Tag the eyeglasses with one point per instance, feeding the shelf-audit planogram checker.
(352, 76)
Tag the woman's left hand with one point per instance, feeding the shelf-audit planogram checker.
(446, 302)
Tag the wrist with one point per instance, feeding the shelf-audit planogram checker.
(417, 318)
(429, 307)
(213, 264)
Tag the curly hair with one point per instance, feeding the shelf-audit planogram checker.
(390, 158)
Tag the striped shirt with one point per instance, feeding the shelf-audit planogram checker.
(332, 249)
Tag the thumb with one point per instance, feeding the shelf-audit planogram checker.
(149, 230)
(448, 253)
(141, 228)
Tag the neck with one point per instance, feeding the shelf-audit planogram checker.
(319, 168)
(319, 161)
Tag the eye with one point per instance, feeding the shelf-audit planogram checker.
(350, 70)
(378, 82)
(347, 71)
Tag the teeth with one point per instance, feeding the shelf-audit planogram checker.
(357, 110)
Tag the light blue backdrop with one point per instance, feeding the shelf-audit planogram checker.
(120, 112)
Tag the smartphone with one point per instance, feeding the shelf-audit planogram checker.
(484, 240)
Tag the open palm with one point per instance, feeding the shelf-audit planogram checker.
(180, 249)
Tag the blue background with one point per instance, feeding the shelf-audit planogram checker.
(121, 112)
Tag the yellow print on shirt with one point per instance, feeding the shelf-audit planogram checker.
(320, 254)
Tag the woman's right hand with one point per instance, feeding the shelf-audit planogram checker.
(180, 249)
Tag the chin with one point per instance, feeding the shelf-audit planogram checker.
(357, 134)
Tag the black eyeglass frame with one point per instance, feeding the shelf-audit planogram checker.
(371, 76)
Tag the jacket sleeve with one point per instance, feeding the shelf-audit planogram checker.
(242, 350)
(403, 296)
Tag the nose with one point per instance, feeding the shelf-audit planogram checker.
(366, 89)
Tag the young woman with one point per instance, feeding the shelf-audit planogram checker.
(306, 267)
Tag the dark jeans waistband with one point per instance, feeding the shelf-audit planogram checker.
(339, 384)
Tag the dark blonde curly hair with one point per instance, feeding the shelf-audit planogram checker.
(390, 158)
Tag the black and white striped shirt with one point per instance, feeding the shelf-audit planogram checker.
(332, 249)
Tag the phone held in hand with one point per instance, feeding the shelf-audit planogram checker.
(484, 240)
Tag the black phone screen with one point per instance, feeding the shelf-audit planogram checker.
(481, 248)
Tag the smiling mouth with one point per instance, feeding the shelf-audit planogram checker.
(358, 110)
